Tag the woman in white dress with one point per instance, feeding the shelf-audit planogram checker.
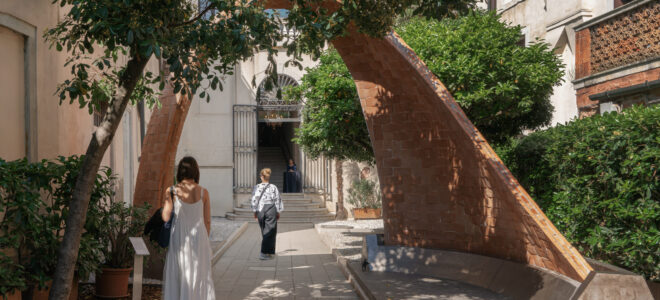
(188, 273)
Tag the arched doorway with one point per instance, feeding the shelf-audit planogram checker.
(263, 136)
(277, 120)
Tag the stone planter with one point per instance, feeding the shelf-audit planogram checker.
(366, 213)
(112, 283)
(13, 295)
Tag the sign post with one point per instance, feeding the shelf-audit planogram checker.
(140, 252)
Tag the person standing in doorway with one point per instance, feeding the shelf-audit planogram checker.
(188, 273)
(267, 205)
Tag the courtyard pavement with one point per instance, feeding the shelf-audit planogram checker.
(304, 268)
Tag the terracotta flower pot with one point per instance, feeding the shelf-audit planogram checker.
(13, 295)
(112, 283)
(366, 213)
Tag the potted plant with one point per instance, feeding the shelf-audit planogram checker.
(12, 278)
(27, 227)
(34, 201)
(365, 199)
(121, 221)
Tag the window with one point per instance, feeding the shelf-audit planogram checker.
(524, 37)
(492, 4)
(202, 5)
(618, 3)
(99, 113)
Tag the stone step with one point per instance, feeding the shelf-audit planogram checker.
(292, 210)
(284, 214)
(304, 201)
(294, 205)
(284, 219)
(293, 195)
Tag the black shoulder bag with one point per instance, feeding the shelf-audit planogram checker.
(158, 230)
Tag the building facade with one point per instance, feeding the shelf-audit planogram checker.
(246, 127)
(611, 50)
(618, 62)
(32, 122)
(554, 22)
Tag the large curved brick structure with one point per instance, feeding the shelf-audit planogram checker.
(443, 186)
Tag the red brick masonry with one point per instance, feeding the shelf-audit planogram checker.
(443, 186)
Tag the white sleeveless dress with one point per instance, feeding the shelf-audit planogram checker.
(188, 270)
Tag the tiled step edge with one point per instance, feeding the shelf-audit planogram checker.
(228, 242)
(345, 267)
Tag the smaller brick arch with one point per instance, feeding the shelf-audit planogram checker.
(443, 186)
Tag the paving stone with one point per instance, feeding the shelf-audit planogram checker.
(303, 268)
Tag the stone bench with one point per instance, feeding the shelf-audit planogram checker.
(512, 279)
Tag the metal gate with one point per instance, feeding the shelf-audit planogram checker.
(316, 175)
(245, 148)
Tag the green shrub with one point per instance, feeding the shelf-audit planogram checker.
(364, 194)
(34, 201)
(597, 180)
(120, 222)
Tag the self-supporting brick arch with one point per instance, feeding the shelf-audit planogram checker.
(442, 184)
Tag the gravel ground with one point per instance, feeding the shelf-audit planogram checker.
(357, 224)
(345, 240)
(221, 228)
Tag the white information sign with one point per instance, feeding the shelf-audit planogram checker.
(139, 246)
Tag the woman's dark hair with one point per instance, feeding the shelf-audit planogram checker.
(188, 169)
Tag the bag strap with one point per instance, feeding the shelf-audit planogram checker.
(172, 194)
(262, 194)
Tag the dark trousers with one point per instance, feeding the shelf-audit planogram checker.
(268, 222)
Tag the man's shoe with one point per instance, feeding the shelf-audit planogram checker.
(263, 256)
(271, 256)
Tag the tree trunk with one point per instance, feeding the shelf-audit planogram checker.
(101, 139)
(341, 211)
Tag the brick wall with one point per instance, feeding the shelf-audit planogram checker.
(156, 170)
(583, 101)
(443, 186)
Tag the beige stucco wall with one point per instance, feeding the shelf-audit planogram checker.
(12, 98)
(61, 129)
(351, 171)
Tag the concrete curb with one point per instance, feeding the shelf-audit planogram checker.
(352, 276)
(360, 287)
(228, 242)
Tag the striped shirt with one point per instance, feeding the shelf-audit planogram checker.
(271, 196)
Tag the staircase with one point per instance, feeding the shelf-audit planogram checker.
(298, 208)
(272, 157)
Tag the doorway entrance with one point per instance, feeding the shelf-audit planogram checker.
(275, 148)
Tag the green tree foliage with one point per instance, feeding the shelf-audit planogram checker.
(502, 87)
(333, 124)
(597, 179)
(34, 201)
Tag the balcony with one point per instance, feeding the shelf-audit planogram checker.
(624, 37)
(617, 58)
